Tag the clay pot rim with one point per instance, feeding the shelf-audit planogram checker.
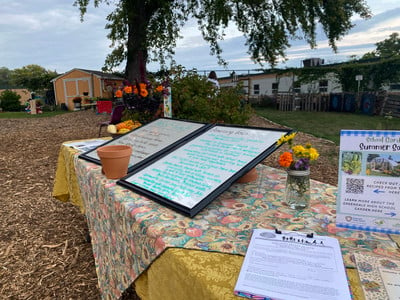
(250, 176)
(110, 151)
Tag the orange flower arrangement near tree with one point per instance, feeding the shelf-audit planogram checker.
(142, 100)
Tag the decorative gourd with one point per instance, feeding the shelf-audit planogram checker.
(112, 129)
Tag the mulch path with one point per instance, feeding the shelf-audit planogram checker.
(43, 248)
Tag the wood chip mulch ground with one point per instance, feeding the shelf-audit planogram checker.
(43, 248)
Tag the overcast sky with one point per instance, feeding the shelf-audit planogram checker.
(49, 33)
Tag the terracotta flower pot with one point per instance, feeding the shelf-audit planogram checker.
(115, 160)
(250, 176)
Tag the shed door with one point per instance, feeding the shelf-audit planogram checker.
(76, 87)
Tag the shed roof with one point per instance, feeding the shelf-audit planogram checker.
(100, 74)
(382, 160)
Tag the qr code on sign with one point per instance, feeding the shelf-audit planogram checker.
(354, 186)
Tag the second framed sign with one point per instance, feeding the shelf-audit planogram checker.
(194, 173)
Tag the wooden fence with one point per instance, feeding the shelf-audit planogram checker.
(304, 102)
(391, 105)
(372, 103)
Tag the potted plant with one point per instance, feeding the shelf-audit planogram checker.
(77, 103)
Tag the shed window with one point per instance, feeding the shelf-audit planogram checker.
(297, 87)
(256, 88)
(275, 87)
(323, 86)
(395, 86)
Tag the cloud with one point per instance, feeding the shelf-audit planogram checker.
(49, 33)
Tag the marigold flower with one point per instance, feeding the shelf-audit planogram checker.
(313, 154)
(298, 150)
(300, 156)
(118, 94)
(286, 138)
(128, 89)
(285, 159)
(159, 89)
(144, 92)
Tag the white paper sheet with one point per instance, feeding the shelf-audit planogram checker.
(292, 266)
(85, 145)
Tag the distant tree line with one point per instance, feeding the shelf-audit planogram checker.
(32, 77)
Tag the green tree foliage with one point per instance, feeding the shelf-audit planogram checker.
(379, 67)
(369, 55)
(9, 101)
(141, 31)
(387, 48)
(5, 75)
(195, 98)
(33, 77)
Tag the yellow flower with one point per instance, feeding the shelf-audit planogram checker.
(286, 138)
(298, 150)
(299, 157)
(313, 153)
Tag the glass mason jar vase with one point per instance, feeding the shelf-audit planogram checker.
(297, 193)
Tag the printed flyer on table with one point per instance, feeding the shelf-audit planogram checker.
(369, 181)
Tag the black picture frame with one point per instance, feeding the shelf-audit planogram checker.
(209, 161)
(151, 140)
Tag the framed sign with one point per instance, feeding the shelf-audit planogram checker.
(369, 181)
(151, 140)
(190, 176)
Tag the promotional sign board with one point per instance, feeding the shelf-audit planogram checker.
(369, 181)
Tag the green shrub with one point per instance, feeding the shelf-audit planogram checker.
(194, 98)
(265, 101)
(9, 101)
(47, 108)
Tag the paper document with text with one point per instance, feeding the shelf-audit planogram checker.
(292, 265)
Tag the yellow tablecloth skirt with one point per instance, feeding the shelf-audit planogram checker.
(178, 273)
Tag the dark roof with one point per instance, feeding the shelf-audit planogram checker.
(96, 73)
(101, 74)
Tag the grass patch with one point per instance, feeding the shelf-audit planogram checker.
(25, 115)
(327, 125)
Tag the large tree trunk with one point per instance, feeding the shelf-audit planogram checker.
(137, 46)
(136, 66)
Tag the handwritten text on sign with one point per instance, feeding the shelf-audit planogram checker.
(194, 170)
(153, 137)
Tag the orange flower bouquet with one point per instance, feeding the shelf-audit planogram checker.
(299, 157)
(297, 163)
(142, 99)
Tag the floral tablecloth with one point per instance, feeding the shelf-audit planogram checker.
(129, 231)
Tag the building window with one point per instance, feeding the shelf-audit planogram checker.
(394, 86)
(323, 86)
(297, 87)
(256, 89)
(275, 88)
